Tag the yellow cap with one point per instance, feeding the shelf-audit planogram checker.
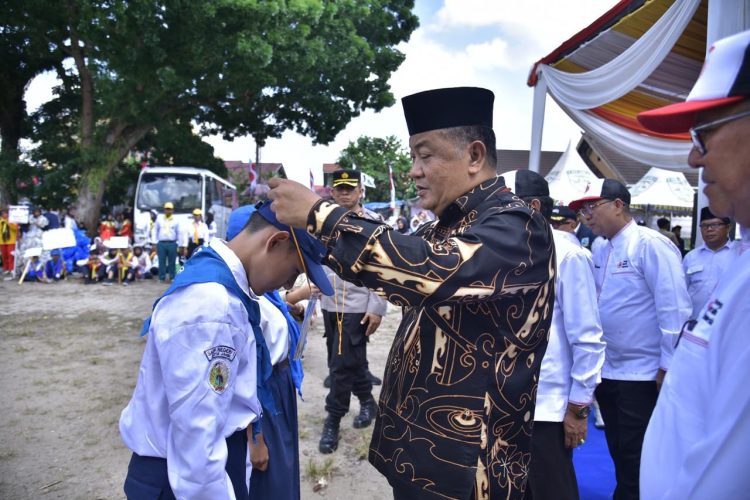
(197, 211)
(169, 204)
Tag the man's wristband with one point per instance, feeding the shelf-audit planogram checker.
(579, 411)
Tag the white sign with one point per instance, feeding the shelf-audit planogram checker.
(367, 180)
(32, 252)
(117, 242)
(58, 238)
(18, 214)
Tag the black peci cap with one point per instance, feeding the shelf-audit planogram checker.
(706, 213)
(526, 183)
(447, 108)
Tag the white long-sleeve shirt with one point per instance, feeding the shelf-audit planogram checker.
(196, 384)
(575, 353)
(703, 268)
(697, 441)
(167, 229)
(643, 302)
(275, 330)
(190, 230)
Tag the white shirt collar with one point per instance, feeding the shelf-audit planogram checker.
(623, 232)
(231, 259)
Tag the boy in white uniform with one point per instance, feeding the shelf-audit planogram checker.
(197, 389)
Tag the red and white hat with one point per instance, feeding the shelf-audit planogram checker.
(601, 189)
(724, 79)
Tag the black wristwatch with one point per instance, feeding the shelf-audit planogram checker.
(580, 411)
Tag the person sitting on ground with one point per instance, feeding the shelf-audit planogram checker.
(53, 269)
(142, 265)
(91, 269)
(127, 264)
(36, 270)
(108, 268)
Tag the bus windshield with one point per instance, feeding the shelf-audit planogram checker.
(184, 190)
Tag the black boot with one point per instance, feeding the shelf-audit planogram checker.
(373, 379)
(329, 440)
(327, 382)
(367, 411)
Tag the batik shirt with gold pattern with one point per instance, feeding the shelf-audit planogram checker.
(477, 287)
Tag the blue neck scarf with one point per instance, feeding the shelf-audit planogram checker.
(294, 334)
(206, 266)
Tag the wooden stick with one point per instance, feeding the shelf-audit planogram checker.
(25, 270)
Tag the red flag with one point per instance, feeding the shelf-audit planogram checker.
(312, 181)
(252, 174)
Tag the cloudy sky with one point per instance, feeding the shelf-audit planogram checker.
(486, 43)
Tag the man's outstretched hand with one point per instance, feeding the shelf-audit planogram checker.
(291, 201)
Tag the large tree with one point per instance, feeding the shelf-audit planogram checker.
(234, 66)
(373, 155)
(23, 56)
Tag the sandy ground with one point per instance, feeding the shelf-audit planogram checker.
(69, 356)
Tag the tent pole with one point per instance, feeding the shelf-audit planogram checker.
(537, 122)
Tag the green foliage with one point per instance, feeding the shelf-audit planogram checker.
(372, 155)
(234, 67)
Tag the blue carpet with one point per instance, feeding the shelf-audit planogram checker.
(594, 468)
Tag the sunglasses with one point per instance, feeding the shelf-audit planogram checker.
(697, 134)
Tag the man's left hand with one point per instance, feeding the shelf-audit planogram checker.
(660, 379)
(575, 430)
(373, 322)
(292, 201)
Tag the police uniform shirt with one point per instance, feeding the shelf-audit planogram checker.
(575, 353)
(196, 384)
(703, 267)
(167, 229)
(349, 298)
(698, 438)
(273, 324)
(643, 302)
(477, 288)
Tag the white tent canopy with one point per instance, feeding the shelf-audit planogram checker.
(664, 188)
(570, 177)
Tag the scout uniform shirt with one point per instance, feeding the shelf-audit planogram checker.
(197, 384)
(476, 286)
(698, 438)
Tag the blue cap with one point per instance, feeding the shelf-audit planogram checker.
(56, 251)
(312, 250)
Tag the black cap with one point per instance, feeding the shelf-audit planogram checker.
(446, 108)
(525, 183)
(561, 213)
(599, 189)
(347, 178)
(707, 214)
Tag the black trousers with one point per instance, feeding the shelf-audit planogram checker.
(348, 369)
(626, 407)
(551, 473)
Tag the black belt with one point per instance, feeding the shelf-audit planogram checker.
(167, 241)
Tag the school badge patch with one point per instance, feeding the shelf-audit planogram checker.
(218, 376)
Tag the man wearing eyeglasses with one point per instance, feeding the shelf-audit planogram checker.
(704, 265)
(698, 439)
(643, 303)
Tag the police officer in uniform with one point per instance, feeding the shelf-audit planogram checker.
(350, 316)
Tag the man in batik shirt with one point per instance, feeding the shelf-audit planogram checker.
(477, 287)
